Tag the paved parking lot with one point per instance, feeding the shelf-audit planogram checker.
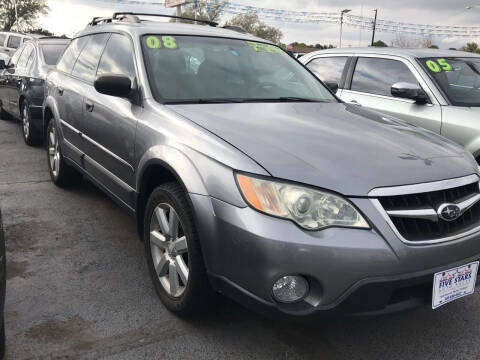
(78, 287)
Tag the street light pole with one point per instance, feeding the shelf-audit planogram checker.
(374, 26)
(344, 11)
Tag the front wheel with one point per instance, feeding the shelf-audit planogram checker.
(173, 252)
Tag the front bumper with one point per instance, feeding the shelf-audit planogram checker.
(350, 271)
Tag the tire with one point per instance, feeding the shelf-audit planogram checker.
(172, 249)
(30, 137)
(60, 172)
(4, 115)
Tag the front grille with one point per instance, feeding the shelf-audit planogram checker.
(419, 229)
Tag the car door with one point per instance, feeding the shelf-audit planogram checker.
(370, 86)
(68, 92)
(330, 69)
(10, 82)
(110, 123)
(19, 74)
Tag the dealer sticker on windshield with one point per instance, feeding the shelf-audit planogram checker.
(453, 284)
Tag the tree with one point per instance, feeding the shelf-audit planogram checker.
(252, 24)
(25, 15)
(206, 10)
(471, 47)
(40, 31)
(379, 43)
(403, 41)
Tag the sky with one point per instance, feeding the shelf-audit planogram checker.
(70, 16)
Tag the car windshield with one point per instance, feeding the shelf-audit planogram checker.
(194, 69)
(52, 52)
(459, 78)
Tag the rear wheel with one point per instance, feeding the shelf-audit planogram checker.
(29, 135)
(60, 172)
(173, 252)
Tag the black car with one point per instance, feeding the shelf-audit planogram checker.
(21, 83)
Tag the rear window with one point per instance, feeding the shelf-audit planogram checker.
(14, 41)
(52, 52)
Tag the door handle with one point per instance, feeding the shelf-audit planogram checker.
(60, 91)
(355, 102)
(89, 106)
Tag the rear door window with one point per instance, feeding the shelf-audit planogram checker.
(376, 76)
(328, 68)
(118, 57)
(3, 37)
(14, 59)
(14, 41)
(23, 60)
(70, 56)
(86, 65)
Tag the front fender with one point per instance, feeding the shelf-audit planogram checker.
(198, 173)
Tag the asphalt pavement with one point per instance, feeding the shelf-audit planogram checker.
(78, 287)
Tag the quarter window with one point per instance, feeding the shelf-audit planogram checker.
(86, 65)
(328, 68)
(118, 57)
(376, 76)
(71, 54)
(14, 42)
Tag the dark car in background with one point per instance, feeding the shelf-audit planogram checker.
(22, 83)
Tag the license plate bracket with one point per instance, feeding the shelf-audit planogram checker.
(453, 284)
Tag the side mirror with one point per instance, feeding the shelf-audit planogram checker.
(332, 85)
(113, 85)
(410, 91)
(2, 64)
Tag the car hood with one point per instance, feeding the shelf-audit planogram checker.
(334, 146)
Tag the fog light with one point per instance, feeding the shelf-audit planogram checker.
(290, 289)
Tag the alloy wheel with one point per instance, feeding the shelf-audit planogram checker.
(53, 151)
(169, 250)
(26, 122)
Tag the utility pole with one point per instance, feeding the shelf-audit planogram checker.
(374, 26)
(344, 11)
(179, 12)
(16, 14)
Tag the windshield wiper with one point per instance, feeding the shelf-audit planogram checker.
(205, 101)
(298, 99)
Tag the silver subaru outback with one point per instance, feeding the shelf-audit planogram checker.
(248, 177)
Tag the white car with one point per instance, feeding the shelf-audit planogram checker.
(10, 42)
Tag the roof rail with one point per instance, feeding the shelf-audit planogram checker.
(117, 16)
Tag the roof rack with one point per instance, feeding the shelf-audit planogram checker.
(235, 28)
(134, 17)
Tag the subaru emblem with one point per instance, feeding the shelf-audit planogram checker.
(448, 212)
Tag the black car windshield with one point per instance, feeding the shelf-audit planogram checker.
(185, 69)
(459, 78)
(52, 52)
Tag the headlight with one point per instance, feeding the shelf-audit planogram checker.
(309, 208)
